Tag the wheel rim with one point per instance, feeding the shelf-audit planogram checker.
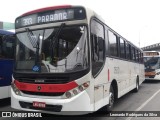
(137, 86)
(111, 99)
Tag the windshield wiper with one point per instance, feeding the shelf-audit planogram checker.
(54, 43)
(35, 43)
(31, 37)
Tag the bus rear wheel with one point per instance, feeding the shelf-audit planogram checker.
(137, 85)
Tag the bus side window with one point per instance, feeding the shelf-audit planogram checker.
(133, 57)
(106, 41)
(113, 44)
(141, 57)
(8, 47)
(127, 51)
(98, 47)
(1, 55)
(122, 48)
(137, 56)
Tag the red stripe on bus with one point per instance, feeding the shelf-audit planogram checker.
(45, 87)
(47, 9)
(108, 75)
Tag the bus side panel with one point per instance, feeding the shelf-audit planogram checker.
(5, 92)
(6, 68)
(101, 88)
(123, 79)
(142, 73)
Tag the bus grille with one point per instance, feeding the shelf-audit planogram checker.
(59, 80)
(152, 76)
(53, 108)
(43, 93)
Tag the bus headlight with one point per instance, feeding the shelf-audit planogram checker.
(158, 73)
(15, 89)
(76, 90)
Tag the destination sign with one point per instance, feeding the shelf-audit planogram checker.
(151, 53)
(50, 16)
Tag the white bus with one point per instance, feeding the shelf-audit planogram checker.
(68, 59)
(152, 65)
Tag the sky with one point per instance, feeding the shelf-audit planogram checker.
(136, 20)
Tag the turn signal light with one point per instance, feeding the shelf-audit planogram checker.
(76, 90)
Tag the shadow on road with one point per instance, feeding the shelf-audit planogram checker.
(5, 102)
(151, 81)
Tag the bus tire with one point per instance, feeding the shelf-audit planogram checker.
(137, 86)
(109, 107)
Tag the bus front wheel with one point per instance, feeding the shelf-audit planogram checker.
(111, 100)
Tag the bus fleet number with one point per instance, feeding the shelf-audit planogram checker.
(27, 21)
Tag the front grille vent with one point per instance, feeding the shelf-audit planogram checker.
(58, 80)
(43, 93)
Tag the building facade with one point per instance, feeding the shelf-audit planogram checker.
(154, 47)
(7, 26)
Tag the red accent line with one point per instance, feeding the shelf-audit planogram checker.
(45, 87)
(108, 75)
(47, 9)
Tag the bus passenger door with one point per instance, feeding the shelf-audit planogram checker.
(98, 60)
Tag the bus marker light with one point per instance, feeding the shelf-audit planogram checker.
(68, 94)
(85, 84)
(75, 91)
(80, 88)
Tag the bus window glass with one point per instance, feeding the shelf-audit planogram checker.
(65, 53)
(1, 47)
(137, 56)
(7, 47)
(141, 58)
(122, 48)
(113, 44)
(106, 42)
(127, 51)
(98, 44)
(133, 54)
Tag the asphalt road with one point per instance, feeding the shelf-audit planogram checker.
(147, 99)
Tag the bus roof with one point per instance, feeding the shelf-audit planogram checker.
(46, 9)
(4, 32)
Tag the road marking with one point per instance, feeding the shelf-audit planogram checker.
(145, 103)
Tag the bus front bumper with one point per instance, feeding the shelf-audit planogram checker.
(79, 104)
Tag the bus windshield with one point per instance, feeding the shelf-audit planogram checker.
(53, 50)
(151, 63)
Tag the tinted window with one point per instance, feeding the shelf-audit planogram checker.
(137, 56)
(106, 41)
(127, 51)
(141, 57)
(122, 48)
(113, 44)
(98, 46)
(133, 54)
(7, 47)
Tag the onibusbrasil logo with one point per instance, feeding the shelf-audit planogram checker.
(36, 68)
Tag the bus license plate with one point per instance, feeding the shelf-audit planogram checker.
(39, 104)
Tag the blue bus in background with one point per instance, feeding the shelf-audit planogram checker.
(7, 40)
